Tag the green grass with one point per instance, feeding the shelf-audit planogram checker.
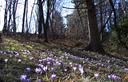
(30, 54)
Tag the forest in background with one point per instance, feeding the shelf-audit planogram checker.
(94, 36)
(93, 22)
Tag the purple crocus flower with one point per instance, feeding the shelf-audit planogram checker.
(74, 68)
(80, 67)
(58, 63)
(27, 52)
(96, 75)
(45, 68)
(114, 77)
(28, 69)
(24, 78)
(40, 65)
(126, 70)
(16, 53)
(40, 60)
(31, 58)
(53, 76)
(38, 70)
(19, 60)
(6, 60)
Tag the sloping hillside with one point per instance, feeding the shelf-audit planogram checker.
(22, 61)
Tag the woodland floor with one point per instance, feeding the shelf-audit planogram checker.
(25, 60)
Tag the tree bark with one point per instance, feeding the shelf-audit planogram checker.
(94, 42)
(10, 14)
(41, 18)
(47, 21)
(25, 4)
(5, 17)
(15, 2)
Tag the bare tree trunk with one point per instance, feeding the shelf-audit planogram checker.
(15, 3)
(10, 14)
(114, 11)
(23, 20)
(94, 43)
(101, 20)
(40, 19)
(5, 17)
(26, 18)
(47, 21)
